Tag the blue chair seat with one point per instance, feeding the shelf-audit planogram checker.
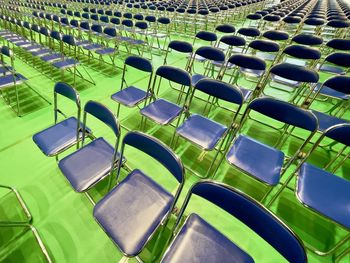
(88, 165)
(63, 64)
(199, 58)
(4, 70)
(82, 43)
(331, 92)
(252, 72)
(202, 131)
(137, 42)
(161, 111)
(266, 56)
(295, 61)
(127, 39)
(284, 81)
(41, 52)
(332, 69)
(246, 93)
(197, 77)
(51, 57)
(57, 137)
(105, 51)
(34, 47)
(325, 193)
(93, 47)
(259, 160)
(8, 80)
(198, 242)
(218, 63)
(132, 211)
(22, 43)
(130, 96)
(325, 121)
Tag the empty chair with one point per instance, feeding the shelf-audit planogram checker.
(335, 63)
(268, 163)
(138, 206)
(162, 111)
(231, 44)
(182, 47)
(320, 190)
(307, 40)
(300, 55)
(338, 88)
(295, 81)
(210, 245)
(202, 130)
(132, 96)
(211, 66)
(264, 49)
(66, 133)
(244, 67)
(96, 160)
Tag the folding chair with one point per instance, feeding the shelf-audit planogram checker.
(180, 47)
(162, 111)
(64, 134)
(264, 49)
(300, 55)
(96, 160)
(212, 62)
(131, 96)
(320, 190)
(133, 211)
(202, 130)
(335, 63)
(249, 67)
(267, 164)
(336, 88)
(293, 80)
(199, 241)
(231, 44)
(307, 40)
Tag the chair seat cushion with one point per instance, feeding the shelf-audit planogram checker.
(88, 165)
(161, 111)
(132, 211)
(41, 52)
(202, 131)
(51, 57)
(66, 63)
(8, 80)
(324, 192)
(197, 77)
(92, 47)
(130, 96)
(105, 51)
(252, 72)
(257, 159)
(331, 92)
(284, 81)
(332, 69)
(33, 47)
(57, 137)
(246, 93)
(325, 121)
(199, 242)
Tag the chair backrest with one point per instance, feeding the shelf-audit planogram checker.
(157, 150)
(284, 112)
(102, 113)
(307, 39)
(339, 58)
(181, 46)
(247, 61)
(68, 92)
(264, 45)
(211, 53)
(139, 63)
(302, 52)
(174, 74)
(339, 44)
(338, 83)
(295, 73)
(252, 214)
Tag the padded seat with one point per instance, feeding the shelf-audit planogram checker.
(33, 47)
(284, 81)
(51, 57)
(63, 64)
(259, 160)
(161, 111)
(8, 80)
(41, 52)
(131, 212)
(331, 92)
(93, 47)
(198, 242)
(57, 137)
(246, 93)
(332, 69)
(130, 96)
(197, 77)
(325, 121)
(202, 131)
(88, 165)
(252, 72)
(105, 51)
(324, 192)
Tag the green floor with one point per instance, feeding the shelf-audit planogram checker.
(64, 218)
